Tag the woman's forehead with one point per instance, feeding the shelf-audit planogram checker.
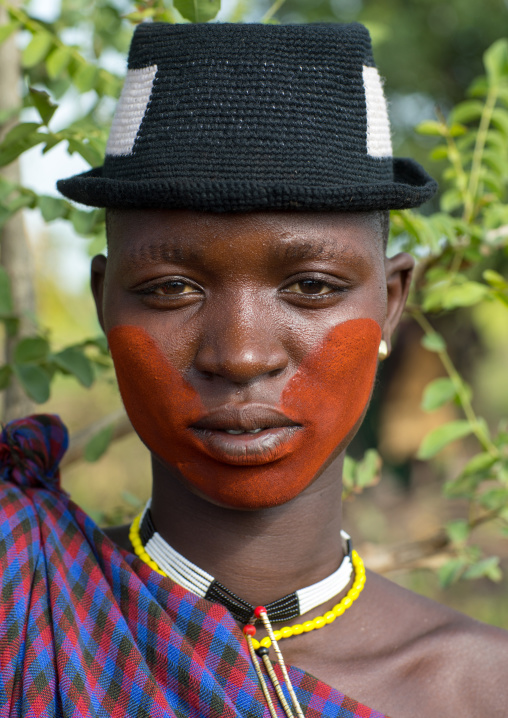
(188, 236)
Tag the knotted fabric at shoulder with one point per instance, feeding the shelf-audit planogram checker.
(31, 450)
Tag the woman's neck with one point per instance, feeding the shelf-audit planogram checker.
(259, 555)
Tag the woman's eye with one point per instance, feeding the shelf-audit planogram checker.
(310, 287)
(174, 287)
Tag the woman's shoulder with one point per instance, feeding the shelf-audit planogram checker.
(451, 663)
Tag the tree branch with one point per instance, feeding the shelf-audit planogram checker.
(16, 252)
(79, 441)
(431, 552)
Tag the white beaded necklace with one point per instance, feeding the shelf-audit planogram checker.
(194, 579)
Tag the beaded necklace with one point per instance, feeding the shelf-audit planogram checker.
(148, 545)
(153, 549)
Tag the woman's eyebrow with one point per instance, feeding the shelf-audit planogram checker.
(163, 252)
(296, 251)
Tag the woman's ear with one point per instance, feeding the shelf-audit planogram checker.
(98, 274)
(398, 280)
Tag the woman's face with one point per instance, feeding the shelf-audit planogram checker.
(246, 345)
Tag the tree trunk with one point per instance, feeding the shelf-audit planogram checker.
(15, 251)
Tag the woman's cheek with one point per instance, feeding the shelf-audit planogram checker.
(327, 396)
(332, 387)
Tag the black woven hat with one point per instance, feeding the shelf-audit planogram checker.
(229, 118)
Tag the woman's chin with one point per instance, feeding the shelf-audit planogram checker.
(248, 499)
(238, 487)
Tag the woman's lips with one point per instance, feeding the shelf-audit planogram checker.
(247, 449)
(246, 435)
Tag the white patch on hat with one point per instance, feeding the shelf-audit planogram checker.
(379, 143)
(130, 110)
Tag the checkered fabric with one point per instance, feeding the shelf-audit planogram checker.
(87, 629)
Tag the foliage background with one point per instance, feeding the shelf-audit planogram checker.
(440, 514)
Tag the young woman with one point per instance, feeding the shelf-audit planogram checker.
(246, 298)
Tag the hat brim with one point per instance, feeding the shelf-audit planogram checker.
(411, 187)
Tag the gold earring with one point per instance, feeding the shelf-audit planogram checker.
(383, 350)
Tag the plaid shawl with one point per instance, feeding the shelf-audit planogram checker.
(87, 629)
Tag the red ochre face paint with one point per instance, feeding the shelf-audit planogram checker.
(327, 396)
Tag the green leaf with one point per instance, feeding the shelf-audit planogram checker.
(98, 244)
(58, 61)
(19, 132)
(77, 363)
(438, 393)
(451, 571)
(140, 15)
(434, 342)
(458, 531)
(495, 161)
(451, 200)
(479, 464)
(31, 349)
(34, 381)
(492, 181)
(358, 475)
(108, 84)
(6, 305)
(431, 127)
(442, 436)
(132, 500)
(23, 199)
(467, 111)
(450, 174)
(5, 376)
(52, 207)
(85, 77)
(439, 153)
(7, 30)
(98, 444)
(494, 499)
(52, 140)
(500, 120)
(100, 342)
(87, 151)
(496, 141)
(82, 221)
(433, 298)
(8, 153)
(479, 87)
(496, 280)
(368, 470)
(456, 129)
(37, 49)
(487, 567)
(464, 295)
(501, 297)
(197, 10)
(42, 103)
(495, 60)
(463, 487)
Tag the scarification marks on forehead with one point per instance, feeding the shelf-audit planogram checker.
(160, 252)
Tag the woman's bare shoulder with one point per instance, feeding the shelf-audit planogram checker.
(456, 664)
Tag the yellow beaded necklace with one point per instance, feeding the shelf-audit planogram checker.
(329, 617)
(287, 631)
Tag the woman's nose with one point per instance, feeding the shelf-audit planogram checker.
(241, 344)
